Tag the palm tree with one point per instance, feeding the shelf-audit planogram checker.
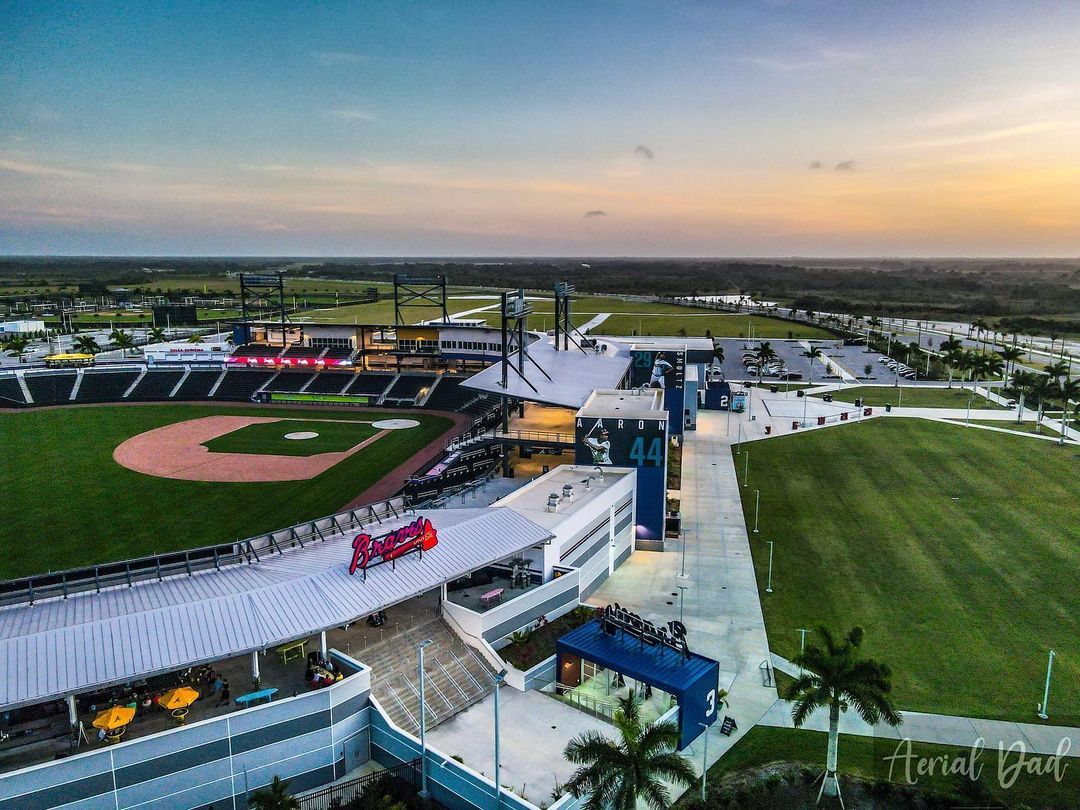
(196, 338)
(874, 323)
(157, 334)
(275, 797)
(834, 676)
(1057, 370)
(17, 345)
(1010, 355)
(1068, 390)
(1044, 388)
(812, 354)
(1022, 382)
(764, 354)
(615, 774)
(122, 340)
(86, 344)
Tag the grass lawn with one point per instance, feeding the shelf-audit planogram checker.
(916, 397)
(1012, 424)
(957, 550)
(269, 438)
(696, 323)
(67, 503)
(864, 757)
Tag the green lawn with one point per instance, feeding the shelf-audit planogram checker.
(697, 323)
(268, 438)
(865, 757)
(67, 503)
(1012, 424)
(957, 550)
(916, 397)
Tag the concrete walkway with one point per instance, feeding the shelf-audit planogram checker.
(722, 611)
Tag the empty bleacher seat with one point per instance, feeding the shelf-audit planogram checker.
(105, 386)
(449, 395)
(10, 392)
(329, 383)
(335, 353)
(408, 386)
(371, 384)
(289, 381)
(256, 350)
(50, 389)
(240, 384)
(197, 385)
(302, 351)
(156, 385)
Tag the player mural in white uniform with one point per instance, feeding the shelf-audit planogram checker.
(661, 368)
(599, 447)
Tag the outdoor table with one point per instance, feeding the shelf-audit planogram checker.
(112, 737)
(179, 715)
(254, 697)
(491, 596)
(286, 651)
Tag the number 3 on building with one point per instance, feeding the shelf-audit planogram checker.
(710, 701)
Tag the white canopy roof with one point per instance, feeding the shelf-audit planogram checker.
(90, 640)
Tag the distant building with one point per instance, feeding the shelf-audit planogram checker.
(21, 327)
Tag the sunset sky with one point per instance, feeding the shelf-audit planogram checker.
(541, 128)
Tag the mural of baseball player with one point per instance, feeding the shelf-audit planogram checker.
(660, 371)
(599, 445)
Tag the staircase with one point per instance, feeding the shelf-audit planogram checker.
(455, 676)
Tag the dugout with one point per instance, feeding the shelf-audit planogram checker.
(627, 651)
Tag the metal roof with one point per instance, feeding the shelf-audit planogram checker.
(90, 640)
(567, 379)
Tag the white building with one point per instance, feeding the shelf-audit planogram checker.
(21, 327)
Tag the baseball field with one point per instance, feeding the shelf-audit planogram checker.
(83, 485)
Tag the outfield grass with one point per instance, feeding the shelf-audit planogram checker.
(916, 397)
(957, 550)
(268, 438)
(864, 757)
(696, 324)
(68, 504)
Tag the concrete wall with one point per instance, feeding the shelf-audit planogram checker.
(310, 739)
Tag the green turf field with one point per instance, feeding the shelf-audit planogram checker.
(864, 757)
(956, 549)
(1011, 424)
(696, 324)
(916, 397)
(268, 438)
(67, 503)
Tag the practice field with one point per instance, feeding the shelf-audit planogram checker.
(69, 504)
(271, 438)
(956, 549)
(916, 397)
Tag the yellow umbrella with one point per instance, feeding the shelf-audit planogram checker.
(178, 698)
(114, 718)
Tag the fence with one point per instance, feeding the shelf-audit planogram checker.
(406, 775)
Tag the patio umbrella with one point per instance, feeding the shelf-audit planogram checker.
(178, 698)
(114, 718)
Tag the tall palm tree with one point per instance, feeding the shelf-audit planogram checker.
(1010, 354)
(157, 334)
(950, 354)
(196, 338)
(764, 354)
(615, 774)
(834, 676)
(1045, 388)
(1069, 390)
(17, 345)
(274, 797)
(1022, 382)
(812, 354)
(1057, 370)
(874, 323)
(86, 344)
(122, 340)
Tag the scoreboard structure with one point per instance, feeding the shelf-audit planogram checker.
(629, 429)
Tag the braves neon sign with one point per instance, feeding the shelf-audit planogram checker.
(368, 552)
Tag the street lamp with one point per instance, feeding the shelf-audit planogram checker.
(682, 565)
(1046, 690)
(757, 508)
(967, 419)
(423, 721)
(704, 760)
(768, 586)
(746, 470)
(499, 678)
(682, 600)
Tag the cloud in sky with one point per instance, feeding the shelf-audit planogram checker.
(644, 151)
(816, 164)
(353, 114)
(35, 169)
(845, 166)
(596, 212)
(815, 60)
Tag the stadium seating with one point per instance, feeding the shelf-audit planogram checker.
(408, 386)
(241, 384)
(289, 381)
(335, 353)
(197, 385)
(302, 351)
(329, 382)
(257, 350)
(372, 384)
(10, 392)
(105, 386)
(156, 385)
(50, 389)
(449, 395)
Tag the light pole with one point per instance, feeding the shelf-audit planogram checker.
(804, 400)
(746, 470)
(967, 419)
(682, 600)
(768, 586)
(423, 721)
(682, 564)
(802, 631)
(1046, 690)
(704, 760)
(757, 508)
(499, 678)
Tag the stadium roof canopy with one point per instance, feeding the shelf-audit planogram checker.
(567, 377)
(91, 640)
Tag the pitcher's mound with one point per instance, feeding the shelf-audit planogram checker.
(300, 435)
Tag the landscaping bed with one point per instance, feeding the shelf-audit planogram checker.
(527, 649)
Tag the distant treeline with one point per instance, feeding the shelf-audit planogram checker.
(1046, 291)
